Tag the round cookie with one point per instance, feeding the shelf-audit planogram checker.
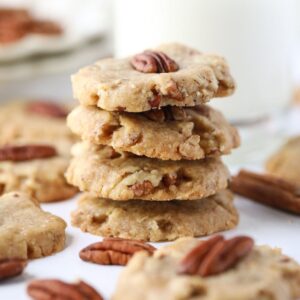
(171, 133)
(26, 230)
(42, 179)
(264, 274)
(22, 123)
(115, 85)
(155, 221)
(285, 162)
(121, 176)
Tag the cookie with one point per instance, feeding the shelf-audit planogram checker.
(155, 221)
(285, 162)
(35, 122)
(171, 133)
(42, 178)
(27, 231)
(117, 85)
(121, 176)
(265, 273)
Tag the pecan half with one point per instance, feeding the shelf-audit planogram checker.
(26, 152)
(141, 189)
(215, 255)
(153, 62)
(48, 109)
(59, 290)
(114, 251)
(11, 267)
(267, 189)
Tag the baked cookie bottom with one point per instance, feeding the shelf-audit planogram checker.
(155, 221)
(285, 162)
(171, 133)
(27, 231)
(42, 179)
(264, 274)
(105, 173)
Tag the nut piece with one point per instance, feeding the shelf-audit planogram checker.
(153, 62)
(59, 290)
(141, 189)
(26, 152)
(267, 189)
(114, 251)
(48, 109)
(215, 255)
(11, 267)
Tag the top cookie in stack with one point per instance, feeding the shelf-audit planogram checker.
(148, 134)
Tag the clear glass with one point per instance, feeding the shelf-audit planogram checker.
(256, 37)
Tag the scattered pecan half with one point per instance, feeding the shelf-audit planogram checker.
(215, 255)
(11, 267)
(59, 290)
(141, 189)
(153, 62)
(267, 189)
(26, 152)
(114, 251)
(48, 109)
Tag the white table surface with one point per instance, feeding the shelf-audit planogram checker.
(266, 225)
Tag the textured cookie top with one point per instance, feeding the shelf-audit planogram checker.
(27, 231)
(264, 274)
(285, 162)
(20, 124)
(115, 85)
(120, 176)
(155, 221)
(171, 133)
(40, 178)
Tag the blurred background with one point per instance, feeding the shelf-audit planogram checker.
(42, 42)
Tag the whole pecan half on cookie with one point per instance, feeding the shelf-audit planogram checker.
(59, 290)
(215, 255)
(26, 152)
(153, 62)
(114, 251)
(11, 267)
(48, 109)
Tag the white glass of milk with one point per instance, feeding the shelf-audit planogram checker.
(255, 36)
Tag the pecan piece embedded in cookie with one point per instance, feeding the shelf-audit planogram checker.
(26, 152)
(215, 255)
(48, 109)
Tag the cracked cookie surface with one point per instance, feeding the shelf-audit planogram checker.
(264, 274)
(155, 221)
(285, 162)
(26, 230)
(171, 133)
(106, 173)
(114, 85)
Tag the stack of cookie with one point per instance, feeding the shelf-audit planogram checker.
(149, 160)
